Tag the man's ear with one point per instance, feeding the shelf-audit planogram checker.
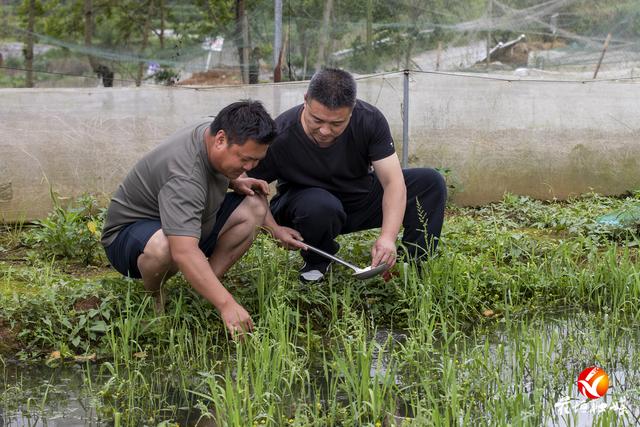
(220, 139)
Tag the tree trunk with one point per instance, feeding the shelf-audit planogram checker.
(303, 46)
(304, 66)
(242, 39)
(490, 15)
(412, 34)
(369, 41)
(4, 24)
(101, 70)
(88, 31)
(246, 43)
(407, 56)
(277, 34)
(28, 50)
(324, 35)
(162, 23)
(145, 40)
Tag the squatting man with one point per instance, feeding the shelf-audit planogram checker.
(338, 172)
(173, 212)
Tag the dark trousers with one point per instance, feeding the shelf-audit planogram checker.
(320, 216)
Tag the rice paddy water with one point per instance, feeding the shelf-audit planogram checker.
(522, 296)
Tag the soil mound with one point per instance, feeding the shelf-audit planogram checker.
(213, 78)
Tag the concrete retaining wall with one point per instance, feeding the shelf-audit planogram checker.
(537, 138)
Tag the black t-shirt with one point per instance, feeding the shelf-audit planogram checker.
(342, 168)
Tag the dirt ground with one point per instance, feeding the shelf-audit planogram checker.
(8, 336)
(217, 77)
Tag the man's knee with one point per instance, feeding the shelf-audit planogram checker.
(157, 250)
(439, 183)
(427, 182)
(253, 209)
(324, 207)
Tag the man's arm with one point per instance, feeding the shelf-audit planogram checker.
(249, 186)
(288, 237)
(394, 202)
(193, 264)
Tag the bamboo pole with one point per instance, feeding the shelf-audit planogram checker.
(604, 50)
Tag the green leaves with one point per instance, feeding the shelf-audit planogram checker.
(71, 233)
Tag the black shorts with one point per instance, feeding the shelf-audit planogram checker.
(129, 244)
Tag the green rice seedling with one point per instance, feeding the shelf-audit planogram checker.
(126, 329)
(129, 390)
(261, 376)
(365, 379)
(267, 268)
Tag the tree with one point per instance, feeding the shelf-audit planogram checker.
(242, 39)
(29, 10)
(324, 34)
(102, 70)
(73, 21)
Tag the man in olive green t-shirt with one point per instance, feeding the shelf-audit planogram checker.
(173, 212)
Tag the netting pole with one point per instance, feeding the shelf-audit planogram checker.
(604, 50)
(490, 14)
(405, 121)
(277, 37)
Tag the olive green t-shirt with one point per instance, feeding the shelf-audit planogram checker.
(174, 183)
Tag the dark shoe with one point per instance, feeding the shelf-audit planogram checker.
(313, 273)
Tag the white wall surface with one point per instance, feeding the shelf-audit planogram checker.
(538, 138)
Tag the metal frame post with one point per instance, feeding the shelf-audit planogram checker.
(277, 34)
(405, 121)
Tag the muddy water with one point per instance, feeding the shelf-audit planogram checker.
(574, 341)
(41, 396)
(49, 397)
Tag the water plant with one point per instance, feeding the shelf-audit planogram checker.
(493, 330)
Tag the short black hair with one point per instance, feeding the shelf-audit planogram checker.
(333, 88)
(243, 120)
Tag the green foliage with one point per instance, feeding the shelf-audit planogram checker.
(597, 18)
(71, 232)
(166, 76)
(64, 18)
(382, 35)
(25, 9)
(204, 17)
(48, 311)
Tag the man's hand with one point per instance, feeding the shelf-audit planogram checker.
(236, 319)
(249, 186)
(288, 237)
(383, 250)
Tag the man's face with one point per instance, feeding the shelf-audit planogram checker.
(322, 124)
(232, 160)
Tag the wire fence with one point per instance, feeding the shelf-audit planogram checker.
(540, 40)
(489, 135)
(549, 115)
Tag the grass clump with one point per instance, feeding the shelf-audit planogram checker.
(69, 232)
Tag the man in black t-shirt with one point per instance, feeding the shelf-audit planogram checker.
(338, 172)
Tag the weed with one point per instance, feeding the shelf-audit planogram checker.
(71, 232)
